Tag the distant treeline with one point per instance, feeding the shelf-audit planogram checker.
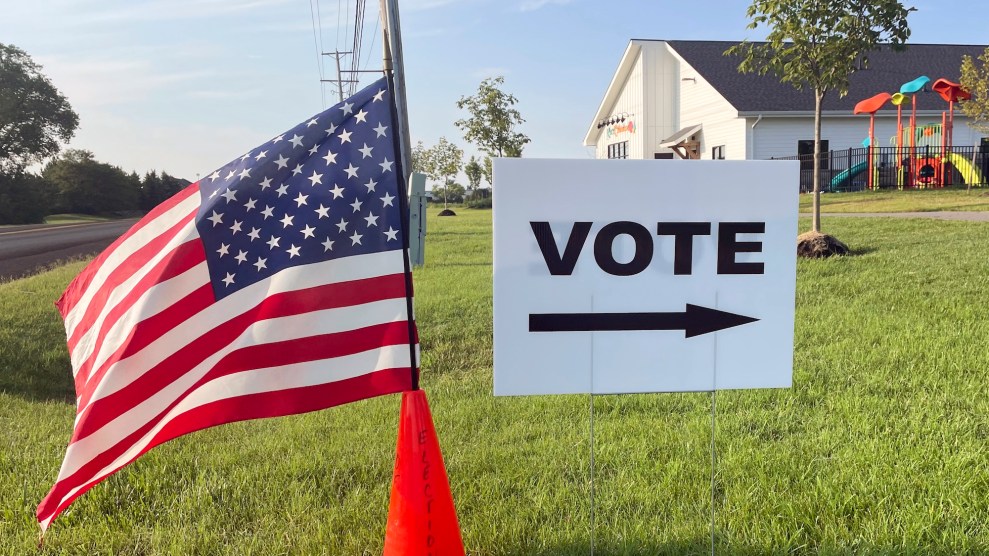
(75, 182)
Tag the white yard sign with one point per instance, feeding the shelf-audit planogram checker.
(643, 276)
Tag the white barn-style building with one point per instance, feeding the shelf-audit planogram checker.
(668, 97)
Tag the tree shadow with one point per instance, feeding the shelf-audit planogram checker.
(701, 546)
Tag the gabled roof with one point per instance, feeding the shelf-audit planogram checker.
(887, 70)
(614, 89)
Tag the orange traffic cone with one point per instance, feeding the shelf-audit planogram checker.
(421, 518)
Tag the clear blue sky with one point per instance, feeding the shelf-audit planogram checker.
(186, 85)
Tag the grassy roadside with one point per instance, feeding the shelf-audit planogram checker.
(74, 218)
(923, 200)
(879, 448)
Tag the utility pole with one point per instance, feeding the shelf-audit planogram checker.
(339, 81)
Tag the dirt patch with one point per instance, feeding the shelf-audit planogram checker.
(815, 245)
(446, 212)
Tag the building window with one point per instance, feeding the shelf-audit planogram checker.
(718, 153)
(805, 152)
(618, 150)
(663, 156)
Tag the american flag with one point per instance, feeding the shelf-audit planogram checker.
(278, 284)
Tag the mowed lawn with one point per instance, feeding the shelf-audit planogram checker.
(880, 447)
(920, 200)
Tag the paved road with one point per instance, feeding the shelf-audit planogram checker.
(26, 249)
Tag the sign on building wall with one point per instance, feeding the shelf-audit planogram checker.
(643, 276)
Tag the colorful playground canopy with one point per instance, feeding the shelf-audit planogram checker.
(950, 91)
(872, 104)
(911, 87)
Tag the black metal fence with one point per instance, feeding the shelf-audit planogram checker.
(923, 167)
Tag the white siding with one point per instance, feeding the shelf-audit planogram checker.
(701, 103)
(662, 88)
(778, 136)
(629, 101)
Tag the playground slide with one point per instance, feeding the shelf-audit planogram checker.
(969, 173)
(845, 177)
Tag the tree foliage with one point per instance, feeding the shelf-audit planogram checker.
(446, 159)
(24, 198)
(493, 119)
(34, 116)
(975, 79)
(87, 186)
(474, 172)
(818, 44)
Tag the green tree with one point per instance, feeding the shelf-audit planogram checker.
(420, 155)
(474, 172)
(492, 121)
(818, 44)
(445, 160)
(88, 186)
(975, 80)
(23, 198)
(34, 116)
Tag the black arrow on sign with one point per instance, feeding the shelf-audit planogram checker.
(696, 320)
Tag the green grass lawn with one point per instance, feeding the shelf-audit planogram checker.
(74, 218)
(881, 446)
(922, 200)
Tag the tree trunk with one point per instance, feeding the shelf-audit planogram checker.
(446, 190)
(818, 98)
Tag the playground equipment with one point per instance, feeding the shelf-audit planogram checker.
(951, 92)
(870, 106)
(912, 88)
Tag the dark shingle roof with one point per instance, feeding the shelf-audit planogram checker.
(886, 72)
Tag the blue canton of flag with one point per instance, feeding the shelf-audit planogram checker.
(325, 189)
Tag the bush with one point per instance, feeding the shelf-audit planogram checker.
(484, 203)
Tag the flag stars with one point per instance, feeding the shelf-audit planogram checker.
(255, 233)
(268, 212)
(229, 279)
(342, 225)
(213, 194)
(371, 219)
(379, 95)
(223, 250)
(380, 130)
(261, 264)
(344, 136)
(315, 178)
(296, 140)
(311, 122)
(386, 165)
(351, 171)
(330, 158)
(229, 195)
(230, 175)
(357, 204)
(297, 170)
(348, 108)
(214, 175)
(261, 155)
(387, 200)
(281, 161)
(265, 183)
(293, 252)
(279, 138)
(314, 148)
(273, 242)
(361, 116)
(356, 238)
(323, 212)
(217, 218)
(246, 156)
(370, 185)
(282, 189)
(245, 173)
(236, 227)
(331, 130)
(327, 245)
(249, 205)
(392, 234)
(337, 191)
(308, 231)
(241, 257)
(287, 221)
(366, 151)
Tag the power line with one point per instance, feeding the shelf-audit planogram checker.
(319, 58)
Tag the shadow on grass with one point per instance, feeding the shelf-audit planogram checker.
(702, 547)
